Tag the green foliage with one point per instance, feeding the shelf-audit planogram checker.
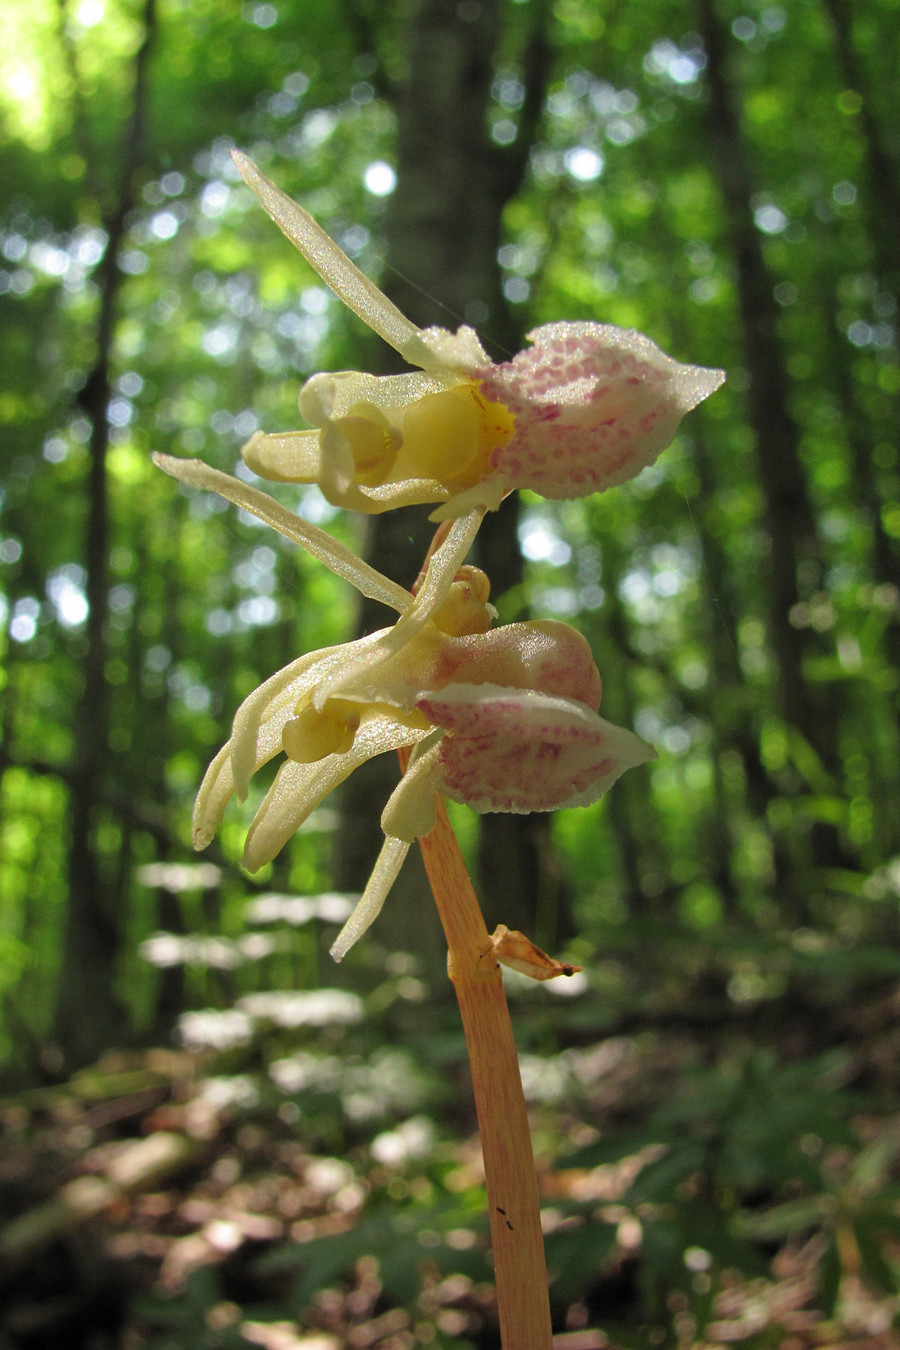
(336, 1187)
(753, 869)
(217, 324)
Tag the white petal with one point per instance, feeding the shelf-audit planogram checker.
(335, 556)
(349, 284)
(388, 497)
(434, 348)
(487, 494)
(292, 457)
(330, 395)
(215, 792)
(409, 813)
(384, 874)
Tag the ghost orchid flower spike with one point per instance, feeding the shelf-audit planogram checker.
(585, 407)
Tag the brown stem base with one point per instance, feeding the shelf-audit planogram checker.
(518, 1247)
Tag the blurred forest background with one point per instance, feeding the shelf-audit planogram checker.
(715, 1098)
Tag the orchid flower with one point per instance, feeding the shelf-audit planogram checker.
(585, 407)
(501, 719)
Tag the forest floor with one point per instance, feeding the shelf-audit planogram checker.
(164, 1199)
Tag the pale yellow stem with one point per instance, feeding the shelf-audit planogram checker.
(518, 1246)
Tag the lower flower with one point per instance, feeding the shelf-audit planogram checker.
(500, 719)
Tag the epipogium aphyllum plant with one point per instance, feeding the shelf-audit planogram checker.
(499, 718)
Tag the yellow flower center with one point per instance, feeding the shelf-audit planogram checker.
(466, 608)
(451, 434)
(372, 441)
(311, 735)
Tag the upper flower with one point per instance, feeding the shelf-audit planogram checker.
(585, 407)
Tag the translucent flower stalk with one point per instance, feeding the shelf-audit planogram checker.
(517, 1243)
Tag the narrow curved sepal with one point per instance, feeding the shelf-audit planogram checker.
(299, 788)
(342, 276)
(384, 874)
(336, 557)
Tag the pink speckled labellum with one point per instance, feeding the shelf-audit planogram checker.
(523, 750)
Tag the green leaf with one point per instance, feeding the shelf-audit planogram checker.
(869, 1239)
(828, 1276)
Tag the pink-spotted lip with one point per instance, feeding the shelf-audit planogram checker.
(593, 405)
(521, 750)
(475, 709)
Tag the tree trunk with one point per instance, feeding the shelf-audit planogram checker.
(795, 570)
(89, 1016)
(881, 194)
(789, 517)
(443, 226)
(643, 866)
(733, 721)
